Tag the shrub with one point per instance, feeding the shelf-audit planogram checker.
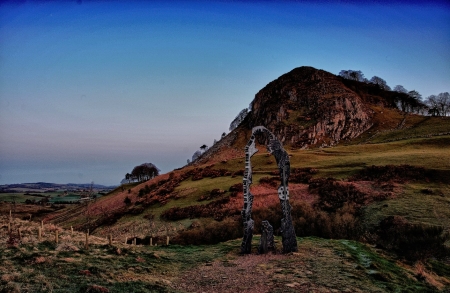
(271, 181)
(212, 233)
(411, 241)
(391, 172)
(238, 187)
(239, 173)
(213, 194)
(301, 175)
(333, 194)
(127, 200)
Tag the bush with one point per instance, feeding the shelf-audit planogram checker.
(127, 200)
(311, 221)
(212, 233)
(333, 194)
(301, 175)
(271, 181)
(391, 172)
(411, 241)
(238, 187)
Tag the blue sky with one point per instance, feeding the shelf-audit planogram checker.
(88, 91)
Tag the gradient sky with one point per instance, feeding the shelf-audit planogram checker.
(90, 90)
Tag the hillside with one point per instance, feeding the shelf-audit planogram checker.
(361, 170)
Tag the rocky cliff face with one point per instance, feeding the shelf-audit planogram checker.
(309, 107)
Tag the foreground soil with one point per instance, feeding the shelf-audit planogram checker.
(320, 265)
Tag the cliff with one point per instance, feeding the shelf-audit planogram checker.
(308, 107)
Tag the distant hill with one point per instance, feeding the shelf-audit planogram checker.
(43, 186)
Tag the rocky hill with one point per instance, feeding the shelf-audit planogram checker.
(308, 107)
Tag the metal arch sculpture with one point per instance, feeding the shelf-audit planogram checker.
(275, 148)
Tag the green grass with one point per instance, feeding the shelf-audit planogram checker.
(415, 206)
(342, 161)
(326, 264)
(417, 126)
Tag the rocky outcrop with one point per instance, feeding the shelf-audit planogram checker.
(310, 107)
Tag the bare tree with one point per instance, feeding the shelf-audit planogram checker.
(239, 118)
(400, 89)
(380, 82)
(415, 95)
(443, 100)
(196, 155)
(433, 105)
(353, 75)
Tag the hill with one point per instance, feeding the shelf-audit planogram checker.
(361, 170)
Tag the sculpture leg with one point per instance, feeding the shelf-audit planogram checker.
(246, 246)
(288, 236)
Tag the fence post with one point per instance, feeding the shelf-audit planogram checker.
(9, 226)
(71, 231)
(151, 241)
(87, 241)
(42, 225)
(110, 239)
(134, 241)
(56, 236)
(126, 238)
(39, 233)
(167, 240)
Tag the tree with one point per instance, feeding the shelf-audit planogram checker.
(443, 102)
(204, 147)
(128, 177)
(433, 105)
(353, 75)
(239, 118)
(144, 172)
(415, 95)
(380, 82)
(223, 135)
(400, 89)
(196, 155)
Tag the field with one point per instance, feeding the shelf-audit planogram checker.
(321, 265)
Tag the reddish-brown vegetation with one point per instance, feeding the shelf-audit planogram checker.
(394, 173)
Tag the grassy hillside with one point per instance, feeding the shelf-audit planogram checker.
(339, 162)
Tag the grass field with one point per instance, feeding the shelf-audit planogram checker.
(320, 266)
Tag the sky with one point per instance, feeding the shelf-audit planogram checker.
(90, 89)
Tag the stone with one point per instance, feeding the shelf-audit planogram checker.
(266, 242)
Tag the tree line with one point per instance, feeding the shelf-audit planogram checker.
(142, 173)
(412, 101)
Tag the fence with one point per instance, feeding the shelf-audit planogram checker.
(14, 231)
